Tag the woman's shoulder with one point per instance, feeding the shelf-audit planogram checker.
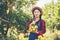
(30, 21)
(43, 22)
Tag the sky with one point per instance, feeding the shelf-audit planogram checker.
(41, 3)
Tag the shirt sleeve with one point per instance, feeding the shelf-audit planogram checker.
(28, 25)
(43, 30)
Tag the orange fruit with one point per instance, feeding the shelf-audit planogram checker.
(32, 0)
(6, 0)
(9, 5)
(23, 3)
(14, 3)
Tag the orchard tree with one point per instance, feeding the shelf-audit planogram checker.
(16, 13)
(51, 15)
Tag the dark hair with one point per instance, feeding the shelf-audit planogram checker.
(38, 8)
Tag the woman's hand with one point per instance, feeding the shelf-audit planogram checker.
(33, 22)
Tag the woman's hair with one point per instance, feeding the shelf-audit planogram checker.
(38, 8)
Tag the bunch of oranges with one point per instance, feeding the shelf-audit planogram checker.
(33, 28)
(41, 38)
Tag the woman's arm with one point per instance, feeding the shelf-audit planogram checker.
(29, 24)
(43, 30)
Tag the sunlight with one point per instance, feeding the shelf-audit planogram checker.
(44, 2)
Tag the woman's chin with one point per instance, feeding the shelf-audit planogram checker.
(36, 17)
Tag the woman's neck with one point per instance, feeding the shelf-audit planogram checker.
(37, 19)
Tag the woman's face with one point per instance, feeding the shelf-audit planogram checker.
(37, 13)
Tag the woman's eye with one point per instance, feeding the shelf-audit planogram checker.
(35, 12)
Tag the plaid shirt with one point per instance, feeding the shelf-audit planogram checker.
(43, 29)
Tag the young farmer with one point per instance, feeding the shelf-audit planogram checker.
(37, 13)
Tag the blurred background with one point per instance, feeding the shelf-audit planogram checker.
(16, 14)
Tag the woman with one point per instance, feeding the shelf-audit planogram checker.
(37, 13)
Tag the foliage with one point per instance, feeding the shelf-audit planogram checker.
(50, 14)
(12, 14)
(17, 14)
